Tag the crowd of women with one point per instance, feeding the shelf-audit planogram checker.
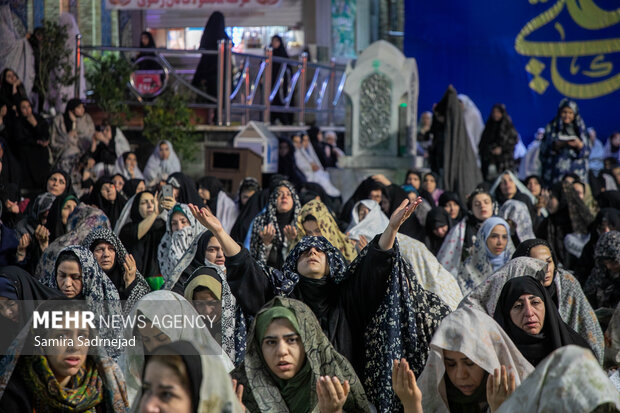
(420, 296)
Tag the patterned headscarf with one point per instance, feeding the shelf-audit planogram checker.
(328, 226)
(269, 216)
(262, 393)
(176, 250)
(603, 287)
(517, 212)
(104, 234)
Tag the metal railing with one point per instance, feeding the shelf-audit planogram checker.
(304, 88)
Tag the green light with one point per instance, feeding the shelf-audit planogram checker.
(403, 105)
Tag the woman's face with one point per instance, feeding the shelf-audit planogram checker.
(426, 120)
(482, 206)
(534, 186)
(144, 40)
(440, 231)
(69, 278)
(108, 192)
(312, 263)
(67, 358)
(283, 149)
(311, 227)
(147, 205)
(204, 194)
(214, 253)
(453, 209)
(429, 183)
(164, 151)
(528, 313)
(67, 210)
(463, 373)
(497, 239)
(275, 42)
(118, 182)
(163, 390)
(496, 114)
(305, 141)
(413, 180)
(131, 161)
(567, 115)
(152, 337)
(178, 222)
(296, 141)
(25, 109)
(542, 252)
(612, 266)
(615, 139)
(508, 186)
(141, 187)
(105, 255)
(282, 349)
(9, 309)
(362, 211)
(56, 184)
(207, 304)
(10, 77)
(245, 196)
(580, 190)
(284, 200)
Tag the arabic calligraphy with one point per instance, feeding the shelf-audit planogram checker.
(587, 15)
(186, 4)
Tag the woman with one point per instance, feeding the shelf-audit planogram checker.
(287, 329)
(286, 162)
(607, 219)
(11, 88)
(31, 135)
(178, 246)
(438, 223)
(498, 141)
(150, 335)
(457, 246)
(309, 163)
(507, 186)
(566, 146)
(279, 50)
(534, 185)
(425, 136)
(59, 183)
(119, 266)
(414, 178)
(209, 293)
(473, 122)
(107, 146)
(105, 197)
(72, 134)
(147, 42)
(127, 165)
(212, 193)
(530, 318)
(162, 163)
(68, 376)
(430, 188)
(143, 233)
(316, 220)
(603, 287)
(468, 347)
(452, 204)
(518, 216)
(193, 382)
(11, 169)
(272, 229)
(562, 375)
(134, 186)
(184, 189)
(58, 216)
(492, 249)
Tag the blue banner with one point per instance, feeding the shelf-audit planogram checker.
(526, 54)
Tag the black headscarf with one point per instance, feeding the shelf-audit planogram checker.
(214, 186)
(437, 217)
(71, 105)
(130, 187)
(187, 189)
(523, 250)
(111, 209)
(287, 165)
(150, 44)
(362, 192)
(6, 90)
(206, 72)
(11, 169)
(68, 188)
(554, 334)
(54, 218)
(9, 192)
(448, 196)
(313, 134)
(609, 199)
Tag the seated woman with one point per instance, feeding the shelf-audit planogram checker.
(507, 186)
(72, 134)
(569, 380)
(105, 197)
(516, 214)
(492, 249)
(153, 333)
(127, 165)
(58, 183)
(66, 374)
(451, 202)
(178, 247)
(438, 223)
(459, 242)
(119, 266)
(602, 287)
(308, 162)
(430, 188)
(468, 351)
(528, 315)
(31, 136)
(162, 163)
(315, 273)
(272, 230)
(184, 189)
(287, 353)
(369, 221)
(181, 377)
(210, 295)
(143, 233)
(133, 186)
(414, 178)
(58, 217)
(212, 193)
(106, 147)
(316, 220)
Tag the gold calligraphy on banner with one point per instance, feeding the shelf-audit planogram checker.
(587, 15)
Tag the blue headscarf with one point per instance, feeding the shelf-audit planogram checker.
(496, 260)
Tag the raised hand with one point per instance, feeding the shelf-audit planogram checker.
(238, 389)
(42, 235)
(403, 212)
(405, 387)
(290, 232)
(332, 394)
(130, 270)
(500, 385)
(268, 234)
(206, 218)
(24, 242)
